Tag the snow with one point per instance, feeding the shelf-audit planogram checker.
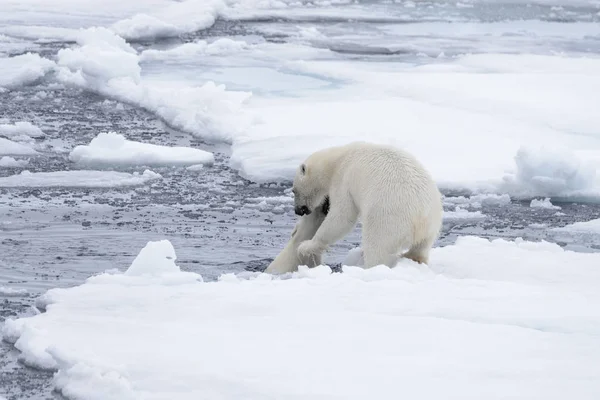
(21, 129)
(23, 69)
(83, 178)
(9, 147)
(543, 203)
(381, 333)
(111, 148)
(592, 227)
(9, 162)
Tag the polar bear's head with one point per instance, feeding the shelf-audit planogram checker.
(309, 191)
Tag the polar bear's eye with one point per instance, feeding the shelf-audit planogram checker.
(303, 169)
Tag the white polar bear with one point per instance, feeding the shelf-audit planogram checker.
(396, 199)
(289, 260)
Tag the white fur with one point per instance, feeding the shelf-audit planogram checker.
(289, 260)
(396, 199)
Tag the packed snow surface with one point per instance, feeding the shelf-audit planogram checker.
(82, 178)
(492, 319)
(111, 148)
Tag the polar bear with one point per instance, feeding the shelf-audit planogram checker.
(289, 260)
(396, 199)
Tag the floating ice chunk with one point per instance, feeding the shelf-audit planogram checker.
(83, 178)
(9, 162)
(143, 26)
(460, 213)
(272, 200)
(195, 167)
(156, 258)
(200, 47)
(111, 148)
(175, 19)
(549, 173)
(491, 199)
(107, 64)
(8, 291)
(21, 129)
(476, 201)
(102, 57)
(23, 70)
(543, 203)
(592, 226)
(8, 147)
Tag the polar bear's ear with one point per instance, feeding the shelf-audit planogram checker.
(303, 169)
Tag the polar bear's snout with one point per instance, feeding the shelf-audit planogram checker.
(302, 210)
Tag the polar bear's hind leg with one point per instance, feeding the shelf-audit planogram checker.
(419, 252)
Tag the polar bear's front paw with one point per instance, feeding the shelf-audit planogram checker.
(309, 248)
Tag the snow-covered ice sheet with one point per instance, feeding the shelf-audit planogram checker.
(478, 122)
(478, 119)
(80, 178)
(9, 147)
(111, 148)
(490, 320)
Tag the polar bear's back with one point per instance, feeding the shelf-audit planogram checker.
(390, 183)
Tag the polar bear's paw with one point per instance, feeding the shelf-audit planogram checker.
(309, 249)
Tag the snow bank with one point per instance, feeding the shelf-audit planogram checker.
(21, 130)
(380, 333)
(9, 162)
(111, 148)
(543, 203)
(22, 70)
(8, 147)
(592, 227)
(91, 179)
(105, 63)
